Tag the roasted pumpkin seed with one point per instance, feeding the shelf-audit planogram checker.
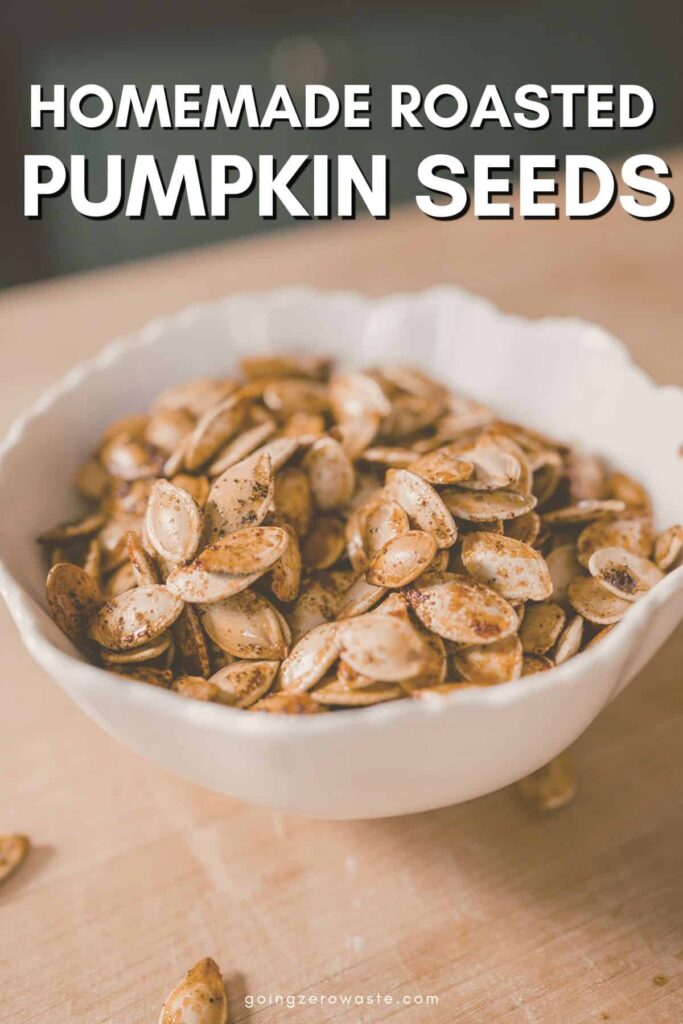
(668, 548)
(13, 852)
(246, 626)
(489, 664)
(200, 998)
(402, 559)
(173, 522)
(195, 687)
(634, 534)
(338, 693)
(622, 573)
(513, 569)
(541, 627)
(240, 497)
(311, 657)
(242, 683)
(460, 609)
(288, 704)
(550, 787)
(135, 618)
(73, 598)
(569, 641)
(330, 472)
(383, 647)
(250, 550)
(595, 602)
(484, 506)
(423, 505)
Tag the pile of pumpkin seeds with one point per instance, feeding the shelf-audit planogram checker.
(302, 540)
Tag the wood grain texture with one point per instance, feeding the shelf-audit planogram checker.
(507, 917)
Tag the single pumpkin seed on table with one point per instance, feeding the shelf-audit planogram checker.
(200, 998)
(305, 540)
(551, 787)
(14, 849)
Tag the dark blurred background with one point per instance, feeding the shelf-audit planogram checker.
(508, 42)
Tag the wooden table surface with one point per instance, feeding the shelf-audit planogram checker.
(504, 916)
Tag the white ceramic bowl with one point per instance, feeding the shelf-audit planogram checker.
(562, 376)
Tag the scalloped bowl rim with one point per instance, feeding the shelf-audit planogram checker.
(57, 661)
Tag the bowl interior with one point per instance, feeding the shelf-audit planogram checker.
(560, 376)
